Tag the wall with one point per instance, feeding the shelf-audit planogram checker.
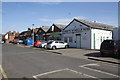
(85, 35)
(100, 36)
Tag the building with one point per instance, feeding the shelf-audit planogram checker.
(116, 33)
(35, 33)
(25, 35)
(86, 34)
(10, 36)
(41, 33)
(54, 32)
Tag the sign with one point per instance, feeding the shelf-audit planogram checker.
(76, 30)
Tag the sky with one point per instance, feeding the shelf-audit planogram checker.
(19, 16)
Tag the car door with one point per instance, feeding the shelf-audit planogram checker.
(57, 44)
(61, 43)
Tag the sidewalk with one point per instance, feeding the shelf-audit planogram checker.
(74, 52)
(85, 54)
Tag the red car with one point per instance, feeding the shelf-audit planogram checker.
(36, 44)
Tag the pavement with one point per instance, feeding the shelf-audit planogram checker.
(80, 53)
(21, 62)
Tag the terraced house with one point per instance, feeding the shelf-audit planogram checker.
(41, 33)
(55, 32)
(86, 34)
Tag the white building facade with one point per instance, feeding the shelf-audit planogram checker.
(81, 34)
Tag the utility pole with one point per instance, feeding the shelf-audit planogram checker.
(33, 31)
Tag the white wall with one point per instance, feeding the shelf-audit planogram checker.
(85, 35)
(100, 36)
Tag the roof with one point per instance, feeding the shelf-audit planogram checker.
(45, 28)
(94, 24)
(35, 30)
(61, 26)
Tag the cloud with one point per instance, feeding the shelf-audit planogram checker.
(61, 21)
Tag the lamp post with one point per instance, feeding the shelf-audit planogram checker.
(33, 32)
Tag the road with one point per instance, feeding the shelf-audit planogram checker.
(20, 62)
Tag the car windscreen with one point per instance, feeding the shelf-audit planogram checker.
(49, 42)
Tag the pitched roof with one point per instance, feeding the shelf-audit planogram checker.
(61, 26)
(45, 28)
(35, 30)
(95, 24)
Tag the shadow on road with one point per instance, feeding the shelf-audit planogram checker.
(97, 54)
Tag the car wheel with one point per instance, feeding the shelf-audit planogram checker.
(53, 47)
(45, 47)
(38, 46)
(66, 46)
(116, 54)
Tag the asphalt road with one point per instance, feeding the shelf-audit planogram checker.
(20, 62)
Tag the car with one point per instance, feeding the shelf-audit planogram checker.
(110, 48)
(19, 42)
(56, 44)
(1, 42)
(38, 42)
(43, 45)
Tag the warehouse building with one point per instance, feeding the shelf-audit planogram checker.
(86, 34)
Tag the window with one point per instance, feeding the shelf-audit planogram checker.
(56, 41)
(65, 39)
(70, 39)
(61, 42)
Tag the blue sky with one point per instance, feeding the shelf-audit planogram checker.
(19, 16)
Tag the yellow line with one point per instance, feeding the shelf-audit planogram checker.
(3, 73)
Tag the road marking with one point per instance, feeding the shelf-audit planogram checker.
(3, 73)
(94, 64)
(48, 73)
(35, 76)
(99, 71)
(81, 73)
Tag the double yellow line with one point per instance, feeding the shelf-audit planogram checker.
(4, 76)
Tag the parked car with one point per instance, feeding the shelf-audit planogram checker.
(1, 42)
(11, 42)
(19, 42)
(56, 44)
(110, 48)
(38, 42)
(43, 45)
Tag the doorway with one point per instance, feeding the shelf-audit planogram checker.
(78, 40)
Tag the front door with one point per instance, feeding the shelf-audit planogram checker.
(78, 40)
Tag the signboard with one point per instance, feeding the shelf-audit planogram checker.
(76, 30)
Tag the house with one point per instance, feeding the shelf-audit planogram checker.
(41, 33)
(86, 34)
(26, 34)
(9, 36)
(54, 32)
(35, 33)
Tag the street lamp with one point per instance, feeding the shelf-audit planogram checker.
(33, 32)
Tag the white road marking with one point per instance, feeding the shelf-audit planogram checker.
(35, 76)
(94, 64)
(99, 71)
(81, 73)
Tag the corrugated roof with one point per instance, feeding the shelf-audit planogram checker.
(96, 24)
